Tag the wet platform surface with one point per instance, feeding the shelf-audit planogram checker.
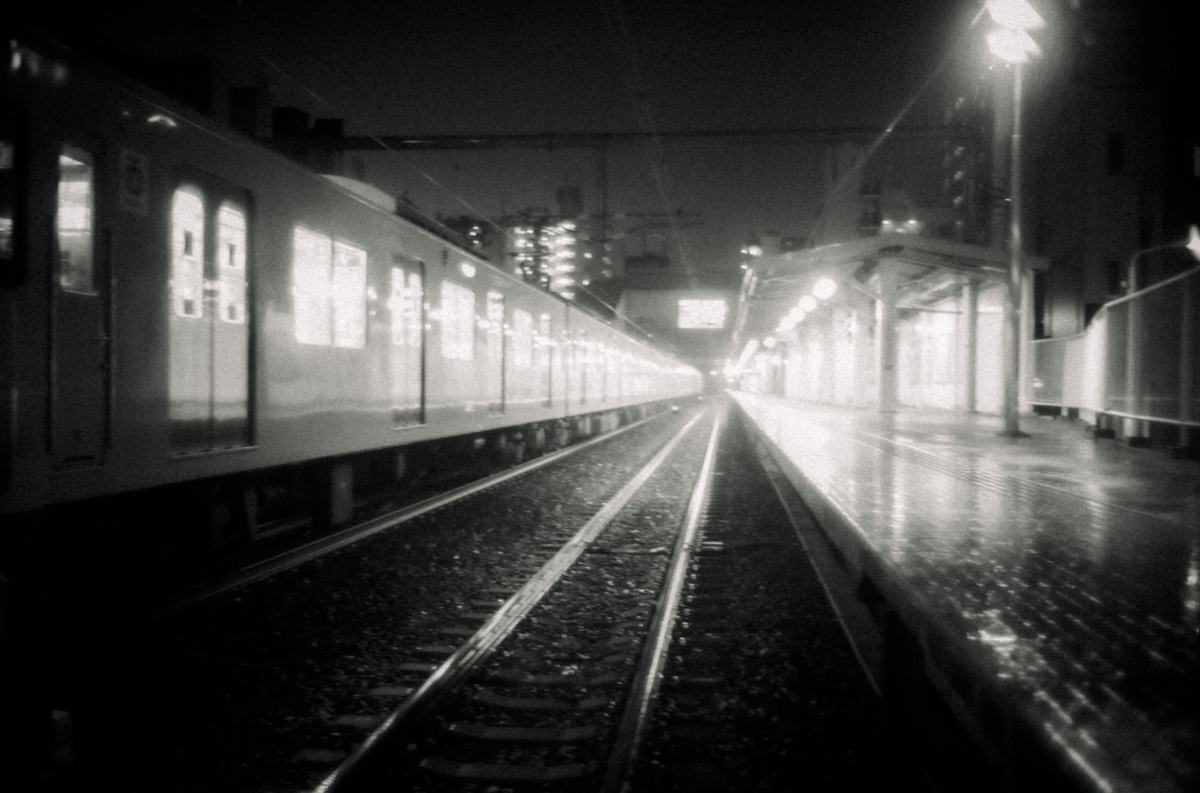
(1062, 572)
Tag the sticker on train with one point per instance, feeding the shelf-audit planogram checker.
(135, 179)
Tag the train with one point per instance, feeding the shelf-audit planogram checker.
(193, 319)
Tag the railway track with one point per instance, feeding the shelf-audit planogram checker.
(517, 637)
(560, 703)
(645, 606)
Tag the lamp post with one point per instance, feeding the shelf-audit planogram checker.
(1012, 43)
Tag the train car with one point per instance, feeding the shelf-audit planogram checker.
(187, 312)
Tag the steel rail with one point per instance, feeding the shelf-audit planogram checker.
(640, 703)
(317, 548)
(484, 641)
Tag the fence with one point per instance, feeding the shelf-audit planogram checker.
(1138, 358)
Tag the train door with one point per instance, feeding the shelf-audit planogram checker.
(407, 306)
(209, 379)
(495, 352)
(545, 346)
(79, 321)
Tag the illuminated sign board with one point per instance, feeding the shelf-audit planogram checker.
(702, 313)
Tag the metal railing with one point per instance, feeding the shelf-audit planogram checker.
(1137, 360)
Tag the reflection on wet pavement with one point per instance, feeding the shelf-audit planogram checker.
(1070, 565)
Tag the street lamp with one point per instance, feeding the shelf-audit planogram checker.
(1012, 43)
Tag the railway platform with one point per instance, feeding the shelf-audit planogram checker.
(1041, 594)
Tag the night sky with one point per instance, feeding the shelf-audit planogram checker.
(492, 68)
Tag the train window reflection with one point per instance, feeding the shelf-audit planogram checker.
(73, 220)
(187, 253)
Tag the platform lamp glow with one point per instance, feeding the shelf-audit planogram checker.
(1012, 43)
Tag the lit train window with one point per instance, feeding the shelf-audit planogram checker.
(231, 264)
(8, 194)
(522, 338)
(349, 292)
(187, 253)
(73, 220)
(329, 285)
(458, 322)
(311, 255)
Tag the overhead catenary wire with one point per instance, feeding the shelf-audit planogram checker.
(635, 86)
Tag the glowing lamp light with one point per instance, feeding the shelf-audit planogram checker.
(825, 288)
(467, 269)
(1014, 46)
(1015, 15)
(1193, 243)
(808, 303)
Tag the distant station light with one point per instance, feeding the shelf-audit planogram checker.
(825, 288)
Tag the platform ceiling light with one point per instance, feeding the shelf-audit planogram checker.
(1193, 243)
(808, 303)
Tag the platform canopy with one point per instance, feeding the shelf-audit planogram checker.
(929, 270)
